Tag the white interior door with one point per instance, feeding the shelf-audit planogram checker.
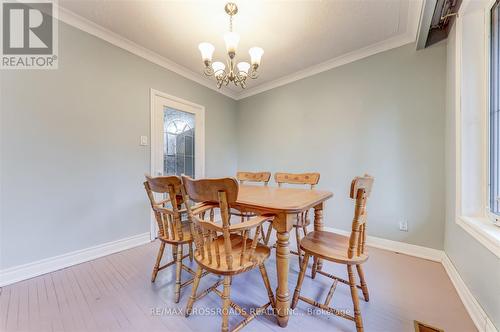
(177, 138)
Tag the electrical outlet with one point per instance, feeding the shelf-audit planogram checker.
(403, 226)
(144, 140)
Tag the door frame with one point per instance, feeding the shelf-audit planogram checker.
(156, 146)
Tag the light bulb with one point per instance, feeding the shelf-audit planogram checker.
(243, 68)
(218, 67)
(232, 39)
(207, 50)
(255, 55)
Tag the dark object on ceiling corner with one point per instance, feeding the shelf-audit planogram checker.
(437, 20)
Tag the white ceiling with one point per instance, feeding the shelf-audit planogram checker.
(299, 38)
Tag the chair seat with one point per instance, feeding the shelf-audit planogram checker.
(186, 235)
(260, 255)
(330, 246)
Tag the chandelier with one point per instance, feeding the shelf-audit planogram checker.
(236, 73)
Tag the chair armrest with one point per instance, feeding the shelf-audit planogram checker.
(249, 224)
(162, 202)
(163, 210)
(196, 209)
(243, 226)
(211, 226)
(202, 207)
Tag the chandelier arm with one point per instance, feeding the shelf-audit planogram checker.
(209, 71)
(242, 77)
(254, 74)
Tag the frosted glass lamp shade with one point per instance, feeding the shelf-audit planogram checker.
(231, 39)
(243, 68)
(207, 50)
(255, 55)
(218, 67)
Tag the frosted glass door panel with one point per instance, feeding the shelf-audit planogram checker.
(178, 139)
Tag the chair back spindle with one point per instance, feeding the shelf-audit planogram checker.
(224, 211)
(360, 191)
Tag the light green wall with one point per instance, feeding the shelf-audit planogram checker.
(383, 115)
(71, 165)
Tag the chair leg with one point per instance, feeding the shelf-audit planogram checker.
(262, 234)
(355, 299)
(226, 303)
(268, 234)
(178, 268)
(364, 286)
(303, 269)
(314, 267)
(297, 238)
(192, 298)
(174, 253)
(191, 252)
(304, 230)
(270, 294)
(156, 268)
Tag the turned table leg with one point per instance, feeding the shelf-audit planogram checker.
(283, 227)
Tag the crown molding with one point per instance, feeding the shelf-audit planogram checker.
(79, 22)
(410, 36)
(115, 39)
(330, 64)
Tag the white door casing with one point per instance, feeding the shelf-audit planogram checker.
(159, 101)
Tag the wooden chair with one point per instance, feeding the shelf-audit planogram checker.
(225, 249)
(262, 177)
(171, 229)
(259, 177)
(343, 250)
(302, 220)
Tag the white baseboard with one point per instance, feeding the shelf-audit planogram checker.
(396, 246)
(481, 320)
(30, 270)
(479, 317)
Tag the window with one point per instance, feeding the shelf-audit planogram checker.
(494, 116)
(178, 142)
(475, 92)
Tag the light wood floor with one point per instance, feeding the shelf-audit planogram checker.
(115, 293)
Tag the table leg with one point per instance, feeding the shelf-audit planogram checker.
(318, 226)
(283, 226)
(282, 292)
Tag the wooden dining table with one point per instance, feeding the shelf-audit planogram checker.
(285, 204)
